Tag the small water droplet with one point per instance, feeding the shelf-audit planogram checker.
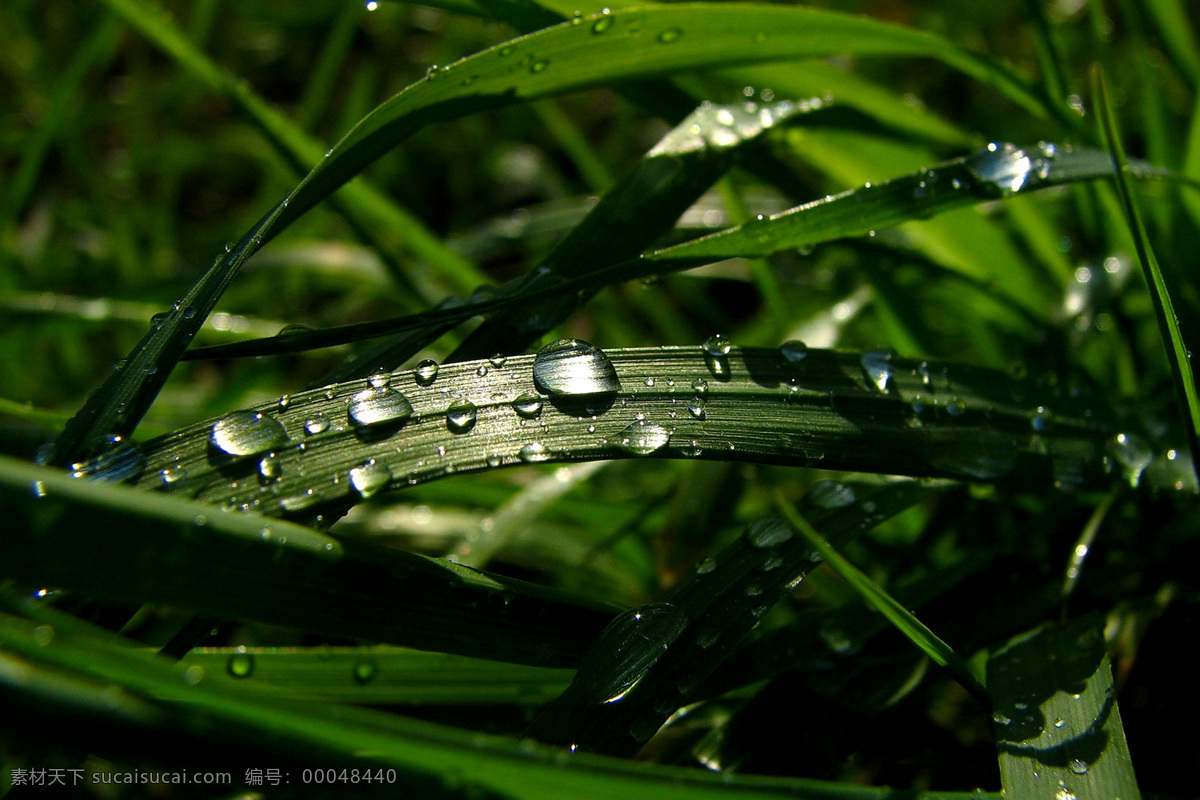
(270, 469)
(717, 346)
(461, 416)
(603, 24)
(1078, 766)
(380, 379)
(877, 367)
(767, 533)
(121, 461)
(498, 360)
(369, 478)
(539, 66)
(317, 423)
(794, 351)
(670, 35)
(426, 372)
(1001, 168)
(830, 495)
(245, 433)
(699, 386)
(574, 367)
(1059, 722)
(696, 408)
(1133, 454)
(240, 664)
(364, 672)
(528, 406)
(643, 438)
(706, 565)
(378, 406)
(534, 452)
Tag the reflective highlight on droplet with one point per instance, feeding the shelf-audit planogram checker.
(574, 367)
(245, 433)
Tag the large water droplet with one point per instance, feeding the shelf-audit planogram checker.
(767, 533)
(1002, 168)
(534, 452)
(877, 367)
(122, 461)
(246, 433)
(240, 664)
(461, 416)
(528, 406)
(643, 438)
(369, 478)
(426, 372)
(830, 495)
(626, 650)
(377, 406)
(574, 367)
(794, 351)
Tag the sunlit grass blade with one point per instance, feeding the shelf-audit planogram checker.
(1178, 353)
(650, 660)
(125, 545)
(1057, 726)
(324, 450)
(200, 720)
(904, 620)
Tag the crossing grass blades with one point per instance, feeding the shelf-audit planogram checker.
(670, 402)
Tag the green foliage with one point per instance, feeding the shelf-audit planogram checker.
(342, 506)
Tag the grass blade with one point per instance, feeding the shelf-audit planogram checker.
(1179, 355)
(1057, 725)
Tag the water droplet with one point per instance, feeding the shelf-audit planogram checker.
(626, 650)
(696, 408)
(574, 367)
(461, 416)
(534, 452)
(794, 351)
(670, 35)
(528, 406)
(317, 423)
(369, 478)
(380, 379)
(364, 672)
(1059, 722)
(717, 346)
(706, 566)
(172, 475)
(377, 406)
(1133, 455)
(691, 449)
(1078, 766)
(240, 664)
(877, 367)
(498, 360)
(643, 438)
(122, 461)
(1001, 168)
(246, 433)
(426, 372)
(830, 495)
(766, 533)
(538, 66)
(603, 24)
(270, 469)
(699, 386)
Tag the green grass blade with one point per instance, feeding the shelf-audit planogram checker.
(1178, 353)
(650, 660)
(751, 404)
(127, 545)
(201, 719)
(1057, 726)
(904, 620)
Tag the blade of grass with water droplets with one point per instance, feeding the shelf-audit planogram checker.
(904, 620)
(998, 171)
(868, 412)
(1057, 726)
(67, 673)
(649, 661)
(1179, 355)
(128, 545)
(554, 60)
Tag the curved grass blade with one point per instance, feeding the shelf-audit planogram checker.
(1000, 170)
(63, 674)
(904, 620)
(324, 450)
(1178, 353)
(650, 660)
(633, 43)
(126, 545)
(1058, 729)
